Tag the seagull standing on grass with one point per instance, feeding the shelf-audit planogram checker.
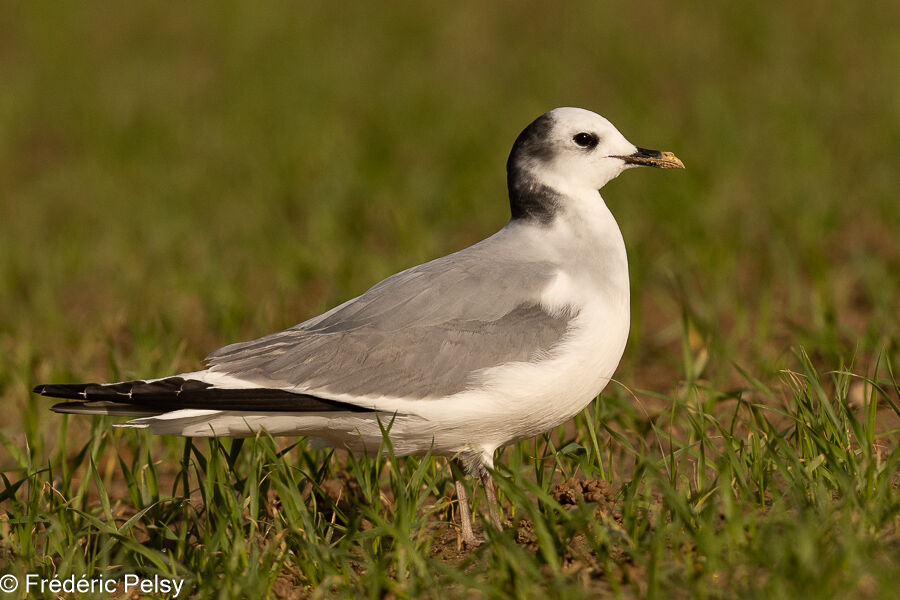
(498, 342)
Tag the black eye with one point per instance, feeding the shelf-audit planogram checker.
(585, 140)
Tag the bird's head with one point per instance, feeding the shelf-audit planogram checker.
(572, 150)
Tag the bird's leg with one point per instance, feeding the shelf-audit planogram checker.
(462, 499)
(493, 502)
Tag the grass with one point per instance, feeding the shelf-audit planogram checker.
(177, 178)
(755, 499)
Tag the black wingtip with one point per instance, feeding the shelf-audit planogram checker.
(174, 393)
(70, 391)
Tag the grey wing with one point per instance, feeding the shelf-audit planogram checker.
(421, 333)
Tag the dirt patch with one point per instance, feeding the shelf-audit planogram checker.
(578, 491)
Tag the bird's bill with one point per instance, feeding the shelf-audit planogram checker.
(653, 158)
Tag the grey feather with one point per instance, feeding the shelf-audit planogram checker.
(422, 332)
(104, 407)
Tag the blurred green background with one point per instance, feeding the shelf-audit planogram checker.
(176, 176)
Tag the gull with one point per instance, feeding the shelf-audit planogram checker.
(459, 356)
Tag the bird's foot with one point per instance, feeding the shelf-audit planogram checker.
(468, 541)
